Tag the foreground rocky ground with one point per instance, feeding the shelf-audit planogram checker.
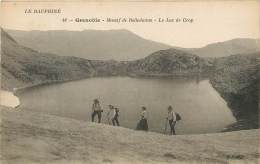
(30, 137)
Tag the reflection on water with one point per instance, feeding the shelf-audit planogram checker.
(201, 107)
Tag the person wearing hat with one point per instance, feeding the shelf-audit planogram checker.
(171, 117)
(96, 110)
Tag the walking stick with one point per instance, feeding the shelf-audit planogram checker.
(166, 124)
(108, 120)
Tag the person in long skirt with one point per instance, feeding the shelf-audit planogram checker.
(143, 123)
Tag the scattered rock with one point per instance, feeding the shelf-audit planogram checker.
(169, 155)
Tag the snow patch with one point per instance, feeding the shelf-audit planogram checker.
(8, 99)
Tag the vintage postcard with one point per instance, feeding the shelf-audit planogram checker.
(130, 82)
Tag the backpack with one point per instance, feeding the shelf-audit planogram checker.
(178, 117)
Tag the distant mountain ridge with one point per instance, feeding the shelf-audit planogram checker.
(121, 45)
(227, 48)
(23, 66)
(89, 44)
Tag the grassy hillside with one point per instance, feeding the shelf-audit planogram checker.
(170, 62)
(23, 66)
(29, 137)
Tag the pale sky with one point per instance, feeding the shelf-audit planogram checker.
(214, 21)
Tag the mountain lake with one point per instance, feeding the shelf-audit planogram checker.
(201, 107)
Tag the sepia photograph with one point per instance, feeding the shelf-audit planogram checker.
(128, 82)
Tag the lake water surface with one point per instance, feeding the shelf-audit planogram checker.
(201, 107)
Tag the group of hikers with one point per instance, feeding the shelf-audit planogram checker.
(113, 116)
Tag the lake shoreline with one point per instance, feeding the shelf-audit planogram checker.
(31, 86)
(127, 101)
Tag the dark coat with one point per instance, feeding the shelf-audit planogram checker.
(142, 125)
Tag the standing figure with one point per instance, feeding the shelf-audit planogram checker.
(115, 118)
(172, 120)
(143, 123)
(110, 114)
(96, 110)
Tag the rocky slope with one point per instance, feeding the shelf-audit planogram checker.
(28, 137)
(236, 78)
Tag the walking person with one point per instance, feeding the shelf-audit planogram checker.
(115, 118)
(96, 110)
(110, 114)
(171, 117)
(143, 123)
